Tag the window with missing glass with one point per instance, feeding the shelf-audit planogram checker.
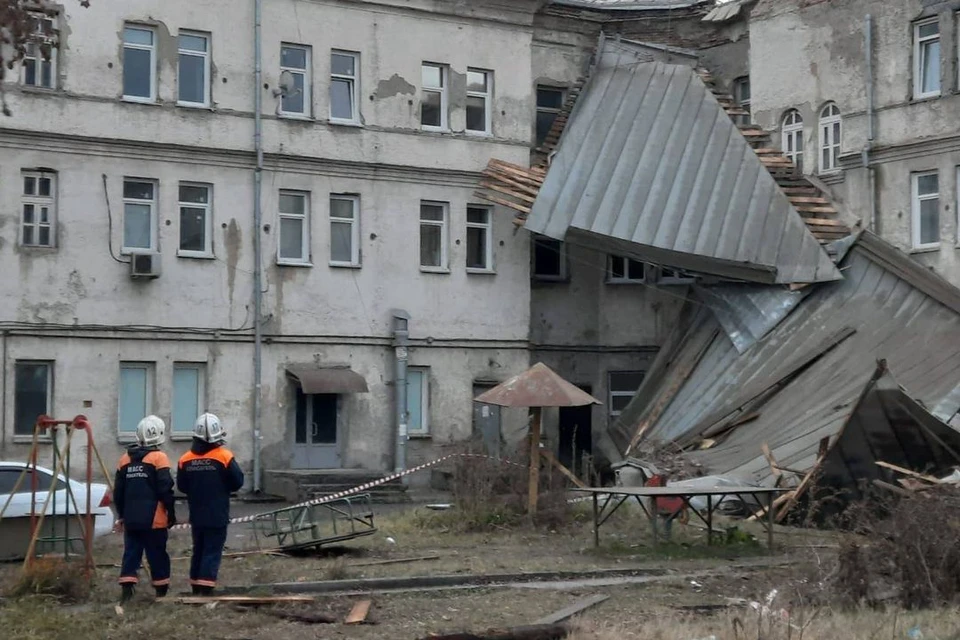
(479, 239)
(196, 220)
(32, 394)
(623, 386)
(549, 259)
(621, 269)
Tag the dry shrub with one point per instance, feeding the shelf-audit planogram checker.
(338, 570)
(52, 576)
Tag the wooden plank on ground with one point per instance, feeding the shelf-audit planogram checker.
(574, 609)
(533, 632)
(908, 472)
(372, 563)
(359, 612)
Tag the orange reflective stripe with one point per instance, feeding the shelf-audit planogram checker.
(128, 580)
(204, 583)
(221, 454)
(160, 583)
(158, 459)
(160, 520)
(124, 461)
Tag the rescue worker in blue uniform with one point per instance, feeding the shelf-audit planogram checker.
(143, 494)
(208, 474)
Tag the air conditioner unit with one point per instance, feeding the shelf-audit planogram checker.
(145, 264)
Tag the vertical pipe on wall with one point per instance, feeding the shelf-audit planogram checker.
(257, 242)
(3, 393)
(871, 176)
(401, 333)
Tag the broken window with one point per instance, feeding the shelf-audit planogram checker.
(479, 239)
(792, 138)
(294, 242)
(139, 215)
(549, 103)
(38, 209)
(344, 69)
(623, 269)
(196, 220)
(549, 259)
(33, 395)
(926, 210)
(139, 64)
(40, 70)
(623, 386)
(741, 96)
(829, 138)
(295, 80)
(926, 59)
(433, 99)
(344, 230)
(433, 236)
(193, 77)
(135, 396)
(479, 88)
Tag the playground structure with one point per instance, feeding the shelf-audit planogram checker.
(307, 526)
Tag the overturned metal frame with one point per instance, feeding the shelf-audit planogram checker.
(304, 526)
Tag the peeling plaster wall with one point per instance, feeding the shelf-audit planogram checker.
(804, 54)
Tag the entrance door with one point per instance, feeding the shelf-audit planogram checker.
(486, 422)
(316, 437)
(576, 435)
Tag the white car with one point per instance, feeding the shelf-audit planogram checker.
(15, 521)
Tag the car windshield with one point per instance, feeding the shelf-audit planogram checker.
(10, 476)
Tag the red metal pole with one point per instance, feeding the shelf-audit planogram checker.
(81, 422)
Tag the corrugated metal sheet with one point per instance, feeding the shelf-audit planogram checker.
(650, 164)
(748, 312)
(630, 5)
(882, 300)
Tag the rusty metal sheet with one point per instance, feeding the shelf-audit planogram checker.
(313, 379)
(538, 386)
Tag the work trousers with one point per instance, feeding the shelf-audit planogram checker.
(154, 543)
(207, 551)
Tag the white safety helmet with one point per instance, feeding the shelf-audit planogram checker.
(209, 429)
(151, 432)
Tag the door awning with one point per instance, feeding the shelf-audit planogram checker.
(313, 379)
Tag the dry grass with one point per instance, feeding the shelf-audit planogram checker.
(52, 576)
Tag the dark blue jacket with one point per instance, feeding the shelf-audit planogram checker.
(143, 489)
(208, 474)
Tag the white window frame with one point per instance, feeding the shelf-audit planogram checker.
(919, 51)
(307, 74)
(354, 81)
(487, 102)
(39, 201)
(487, 229)
(790, 126)
(444, 225)
(125, 250)
(424, 429)
(827, 141)
(354, 230)
(34, 53)
(611, 394)
(153, 62)
(50, 365)
(206, 67)
(443, 90)
(304, 260)
(150, 394)
(201, 369)
(564, 274)
(207, 220)
(625, 279)
(916, 199)
(738, 84)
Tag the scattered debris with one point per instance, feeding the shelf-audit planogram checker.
(359, 613)
(306, 618)
(372, 563)
(577, 607)
(245, 600)
(440, 507)
(533, 632)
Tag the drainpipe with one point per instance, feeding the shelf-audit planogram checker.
(865, 154)
(401, 322)
(257, 243)
(3, 384)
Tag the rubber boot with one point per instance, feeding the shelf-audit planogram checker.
(162, 590)
(126, 592)
(206, 592)
(196, 589)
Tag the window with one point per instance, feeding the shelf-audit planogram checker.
(139, 64)
(741, 97)
(344, 68)
(39, 67)
(623, 386)
(196, 220)
(479, 239)
(33, 395)
(433, 236)
(139, 215)
(418, 401)
(479, 88)
(10, 476)
(926, 59)
(623, 269)
(549, 103)
(345, 231)
(135, 397)
(193, 78)
(39, 209)
(549, 259)
(926, 210)
(295, 60)
(189, 399)
(829, 138)
(792, 138)
(294, 243)
(433, 99)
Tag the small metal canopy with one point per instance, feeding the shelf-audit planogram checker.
(538, 386)
(314, 379)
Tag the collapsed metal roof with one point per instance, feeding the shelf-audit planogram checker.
(631, 5)
(801, 381)
(651, 166)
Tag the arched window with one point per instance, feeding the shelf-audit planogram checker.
(792, 138)
(830, 131)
